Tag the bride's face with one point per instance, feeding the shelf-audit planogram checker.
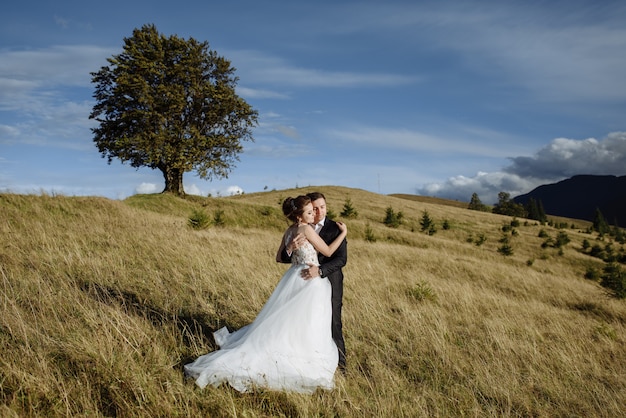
(307, 214)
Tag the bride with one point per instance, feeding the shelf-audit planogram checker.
(289, 345)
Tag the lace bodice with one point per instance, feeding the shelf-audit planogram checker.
(306, 254)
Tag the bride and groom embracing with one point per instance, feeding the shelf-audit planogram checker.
(296, 342)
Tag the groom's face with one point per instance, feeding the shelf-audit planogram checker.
(319, 209)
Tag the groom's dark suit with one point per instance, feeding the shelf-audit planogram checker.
(331, 269)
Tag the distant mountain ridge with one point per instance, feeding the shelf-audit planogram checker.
(579, 196)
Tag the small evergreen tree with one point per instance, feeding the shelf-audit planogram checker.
(480, 240)
(426, 222)
(393, 219)
(348, 210)
(369, 234)
(199, 219)
(506, 248)
(218, 218)
(599, 223)
(562, 239)
(614, 278)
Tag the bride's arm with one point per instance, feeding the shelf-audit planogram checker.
(319, 243)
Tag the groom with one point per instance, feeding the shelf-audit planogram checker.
(330, 267)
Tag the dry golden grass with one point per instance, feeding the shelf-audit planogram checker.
(102, 302)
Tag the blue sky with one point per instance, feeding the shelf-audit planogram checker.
(439, 98)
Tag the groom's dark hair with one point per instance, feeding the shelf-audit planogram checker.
(315, 195)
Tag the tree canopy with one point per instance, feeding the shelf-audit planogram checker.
(506, 206)
(170, 104)
(476, 204)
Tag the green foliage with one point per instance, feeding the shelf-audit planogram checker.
(445, 225)
(562, 239)
(426, 223)
(218, 218)
(199, 219)
(597, 251)
(607, 331)
(506, 206)
(599, 223)
(348, 210)
(393, 219)
(614, 279)
(548, 242)
(421, 292)
(559, 242)
(476, 204)
(170, 104)
(534, 210)
(619, 235)
(592, 273)
(505, 248)
(482, 238)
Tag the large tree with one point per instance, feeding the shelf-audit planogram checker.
(170, 104)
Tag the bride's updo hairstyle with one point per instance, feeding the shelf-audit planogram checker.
(294, 207)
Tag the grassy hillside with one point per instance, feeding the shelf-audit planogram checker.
(103, 301)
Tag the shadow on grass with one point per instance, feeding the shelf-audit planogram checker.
(189, 324)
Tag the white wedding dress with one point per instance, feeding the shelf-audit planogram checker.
(289, 345)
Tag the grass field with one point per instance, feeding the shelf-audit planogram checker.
(103, 301)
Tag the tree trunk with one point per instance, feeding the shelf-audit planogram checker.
(173, 180)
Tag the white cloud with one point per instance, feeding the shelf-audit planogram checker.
(288, 131)
(565, 157)
(252, 93)
(193, 189)
(272, 148)
(263, 68)
(234, 190)
(8, 132)
(485, 185)
(67, 65)
(464, 140)
(147, 188)
(561, 159)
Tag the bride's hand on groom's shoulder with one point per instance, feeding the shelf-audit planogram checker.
(342, 226)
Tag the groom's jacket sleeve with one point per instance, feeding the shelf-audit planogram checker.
(284, 257)
(339, 258)
(337, 261)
